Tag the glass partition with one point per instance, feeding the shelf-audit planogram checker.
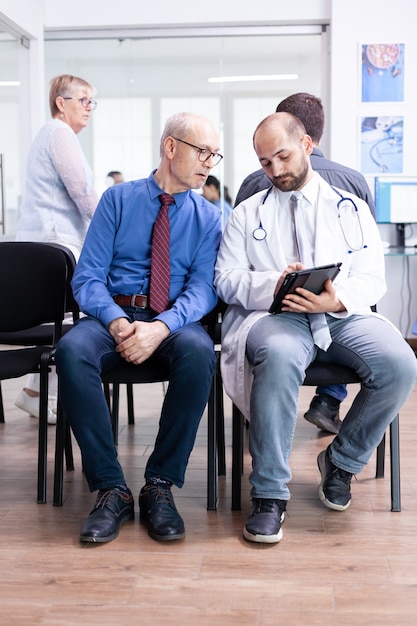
(235, 81)
(14, 123)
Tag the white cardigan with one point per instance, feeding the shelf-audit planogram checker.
(59, 199)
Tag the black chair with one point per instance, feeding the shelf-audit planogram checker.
(155, 371)
(319, 374)
(34, 283)
(43, 334)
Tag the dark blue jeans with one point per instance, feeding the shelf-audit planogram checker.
(336, 391)
(87, 350)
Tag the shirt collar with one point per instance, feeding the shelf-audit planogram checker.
(309, 191)
(155, 191)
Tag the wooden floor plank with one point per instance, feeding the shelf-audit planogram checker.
(356, 567)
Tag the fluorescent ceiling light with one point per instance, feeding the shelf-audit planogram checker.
(9, 83)
(242, 79)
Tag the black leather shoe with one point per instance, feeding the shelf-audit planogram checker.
(334, 488)
(323, 415)
(111, 510)
(264, 523)
(158, 511)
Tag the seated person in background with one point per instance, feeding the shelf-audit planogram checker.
(324, 407)
(264, 357)
(115, 177)
(133, 313)
(211, 192)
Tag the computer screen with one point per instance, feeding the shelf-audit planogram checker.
(396, 199)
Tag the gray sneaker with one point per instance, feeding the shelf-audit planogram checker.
(264, 523)
(334, 488)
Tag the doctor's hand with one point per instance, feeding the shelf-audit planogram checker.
(294, 267)
(137, 341)
(305, 301)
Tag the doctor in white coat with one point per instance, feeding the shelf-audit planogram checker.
(264, 356)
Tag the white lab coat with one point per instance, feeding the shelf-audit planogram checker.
(247, 270)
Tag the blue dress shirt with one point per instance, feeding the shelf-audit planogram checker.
(116, 257)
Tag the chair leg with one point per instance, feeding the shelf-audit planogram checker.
(43, 428)
(115, 412)
(221, 444)
(69, 459)
(59, 455)
(63, 445)
(237, 458)
(380, 459)
(1, 406)
(130, 407)
(106, 389)
(113, 400)
(395, 464)
(211, 448)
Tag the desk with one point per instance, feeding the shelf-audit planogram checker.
(400, 251)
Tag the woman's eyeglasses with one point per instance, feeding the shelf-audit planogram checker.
(86, 102)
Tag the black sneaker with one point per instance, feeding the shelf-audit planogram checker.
(334, 489)
(113, 507)
(158, 511)
(264, 523)
(323, 415)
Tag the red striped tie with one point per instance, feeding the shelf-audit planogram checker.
(160, 267)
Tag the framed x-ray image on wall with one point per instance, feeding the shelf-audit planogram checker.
(382, 144)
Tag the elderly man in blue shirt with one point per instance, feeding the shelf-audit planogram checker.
(112, 285)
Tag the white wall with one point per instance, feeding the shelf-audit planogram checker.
(354, 23)
(166, 12)
(27, 19)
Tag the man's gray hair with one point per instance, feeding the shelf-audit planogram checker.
(177, 125)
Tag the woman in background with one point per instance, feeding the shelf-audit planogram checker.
(59, 199)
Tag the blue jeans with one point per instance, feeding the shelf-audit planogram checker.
(87, 350)
(280, 347)
(339, 392)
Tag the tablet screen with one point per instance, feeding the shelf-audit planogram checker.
(312, 279)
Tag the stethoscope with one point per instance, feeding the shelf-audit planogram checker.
(349, 201)
(260, 233)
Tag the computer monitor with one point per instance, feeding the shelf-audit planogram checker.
(396, 202)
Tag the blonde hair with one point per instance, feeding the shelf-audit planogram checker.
(65, 85)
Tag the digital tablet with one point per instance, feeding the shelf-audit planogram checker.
(312, 279)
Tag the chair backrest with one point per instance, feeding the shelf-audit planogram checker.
(71, 304)
(213, 320)
(33, 285)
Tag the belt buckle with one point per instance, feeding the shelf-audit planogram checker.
(132, 299)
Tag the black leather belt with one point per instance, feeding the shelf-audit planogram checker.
(138, 300)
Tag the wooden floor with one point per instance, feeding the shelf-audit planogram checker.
(356, 567)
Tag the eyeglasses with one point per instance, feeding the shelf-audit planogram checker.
(204, 154)
(86, 102)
